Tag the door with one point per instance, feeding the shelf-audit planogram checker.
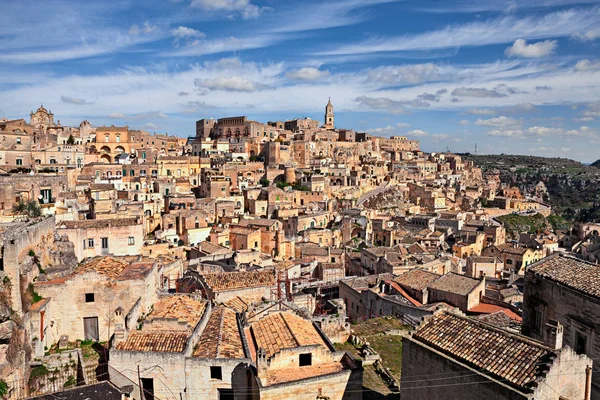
(90, 328)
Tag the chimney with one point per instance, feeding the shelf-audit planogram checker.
(553, 334)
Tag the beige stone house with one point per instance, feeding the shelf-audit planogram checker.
(119, 237)
(85, 304)
(450, 356)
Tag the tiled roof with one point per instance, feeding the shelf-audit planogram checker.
(108, 266)
(417, 279)
(455, 283)
(239, 280)
(282, 331)
(221, 336)
(98, 223)
(510, 357)
(258, 222)
(569, 271)
(484, 259)
(241, 230)
(282, 375)
(180, 307)
(238, 304)
(167, 342)
(134, 271)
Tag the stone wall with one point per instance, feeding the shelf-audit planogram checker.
(428, 374)
(579, 314)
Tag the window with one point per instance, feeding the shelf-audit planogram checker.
(18, 140)
(90, 243)
(509, 262)
(255, 244)
(89, 297)
(305, 359)
(106, 138)
(131, 241)
(19, 161)
(216, 373)
(118, 138)
(148, 388)
(105, 243)
(144, 155)
(580, 344)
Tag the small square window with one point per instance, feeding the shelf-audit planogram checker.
(131, 240)
(89, 297)
(305, 359)
(216, 373)
(90, 242)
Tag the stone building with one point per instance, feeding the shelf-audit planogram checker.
(119, 237)
(329, 120)
(42, 119)
(565, 289)
(99, 291)
(450, 356)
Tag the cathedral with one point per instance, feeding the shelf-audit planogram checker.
(42, 119)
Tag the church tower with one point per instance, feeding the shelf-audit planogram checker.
(329, 118)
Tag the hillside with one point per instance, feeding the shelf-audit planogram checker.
(573, 188)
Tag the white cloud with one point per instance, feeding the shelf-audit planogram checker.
(544, 131)
(439, 136)
(520, 48)
(149, 115)
(382, 103)
(589, 35)
(417, 133)
(145, 29)
(184, 32)
(500, 121)
(307, 74)
(587, 65)
(505, 29)
(150, 125)
(229, 84)
(477, 92)
(506, 132)
(481, 111)
(402, 125)
(464, 122)
(75, 100)
(243, 7)
(405, 74)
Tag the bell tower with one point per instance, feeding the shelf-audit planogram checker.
(329, 118)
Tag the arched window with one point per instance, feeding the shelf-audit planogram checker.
(106, 138)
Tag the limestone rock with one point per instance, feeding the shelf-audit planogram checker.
(6, 329)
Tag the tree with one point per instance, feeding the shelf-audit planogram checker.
(71, 140)
(30, 208)
(19, 208)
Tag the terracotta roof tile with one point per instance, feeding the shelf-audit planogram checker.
(284, 330)
(572, 272)
(416, 279)
(108, 266)
(455, 283)
(164, 342)
(221, 336)
(238, 304)
(98, 223)
(180, 307)
(507, 356)
(275, 376)
(238, 280)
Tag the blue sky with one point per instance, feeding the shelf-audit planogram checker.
(518, 77)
